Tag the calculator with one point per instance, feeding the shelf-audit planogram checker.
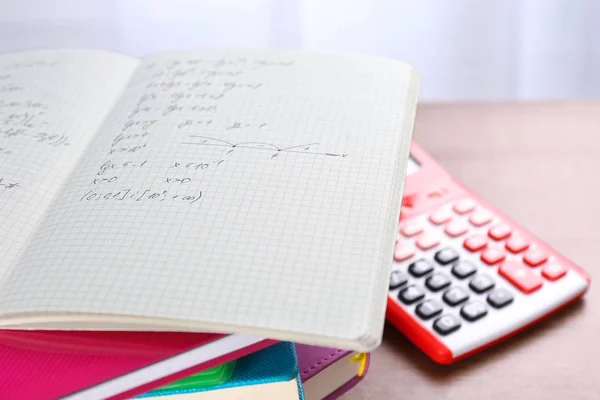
(464, 275)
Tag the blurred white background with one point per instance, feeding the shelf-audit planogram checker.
(466, 50)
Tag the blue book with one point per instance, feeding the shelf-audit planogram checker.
(271, 373)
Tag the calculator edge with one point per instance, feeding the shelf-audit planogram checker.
(435, 349)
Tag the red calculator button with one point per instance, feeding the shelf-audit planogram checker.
(535, 257)
(480, 217)
(440, 217)
(475, 243)
(516, 244)
(403, 251)
(411, 229)
(464, 206)
(456, 228)
(525, 279)
(554, 271)
(428, 241)
(499, 232)
(493, 255)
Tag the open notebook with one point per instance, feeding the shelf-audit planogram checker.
(241, 191)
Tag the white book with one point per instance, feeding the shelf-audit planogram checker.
(240, 191)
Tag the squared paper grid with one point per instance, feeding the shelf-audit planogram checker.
(71, 90)
(290, 245)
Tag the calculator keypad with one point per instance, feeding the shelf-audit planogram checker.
(428, 309)
(463, 269)
(475, 243)
(521, 276)
(554, 271)
(460, 265)
(473, 311)
(446, 256)
(500, 298)
(516, 244)
(500, 232)
(455, 296)
(493, 256)
(437, 282)
(420, 268)
(397, 279)
(446, 324)
(411, 294)
(481, 284)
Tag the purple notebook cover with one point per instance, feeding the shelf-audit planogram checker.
(313, 359)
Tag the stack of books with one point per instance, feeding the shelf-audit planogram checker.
(210, 224)
(100, 365)
(282, 371)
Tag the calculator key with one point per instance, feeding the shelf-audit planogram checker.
(464, 269)
(554, 271)
(524, 278)
(516, 244)
(397, 279)
(420, 267)
(473, 311)
(429, 309)
(475, 243)
(440, 217)
(456, 228)
(455, 296)
(437, 281)
(500, 298)
(411, 229)
(403, 251)
(464, 206)
(428, 241)
(493, 256)
(446, 324)
(446, 256)
(411, 294)
(535, 257)
(500, 232)
(480, 218)
(481, 284)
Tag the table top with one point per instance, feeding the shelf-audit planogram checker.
(538, 163)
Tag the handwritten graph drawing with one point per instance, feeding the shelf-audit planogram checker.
(302, 149)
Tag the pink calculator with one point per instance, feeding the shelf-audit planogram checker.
(464, 275)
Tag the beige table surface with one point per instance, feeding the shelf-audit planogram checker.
(540, 164)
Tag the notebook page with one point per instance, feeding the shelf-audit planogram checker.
(248, 189)
(51, 103)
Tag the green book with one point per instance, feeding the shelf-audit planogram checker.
(202, 380)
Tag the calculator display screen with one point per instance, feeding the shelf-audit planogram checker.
(413, 166)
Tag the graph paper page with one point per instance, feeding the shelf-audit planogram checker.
(51, 104)
(238, 188)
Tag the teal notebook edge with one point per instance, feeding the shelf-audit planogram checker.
(276, 363)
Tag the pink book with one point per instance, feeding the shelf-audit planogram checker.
(328, 373)
(108, 365)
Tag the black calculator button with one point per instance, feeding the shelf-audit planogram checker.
(481, 284)
(464, 269)
(500, 298)
(429, 309)
(455, 296)
(397, 279)
(446, 256)
(446, 324)
(473, 311)
(420, 267)
(437, 281)
(411, 294)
